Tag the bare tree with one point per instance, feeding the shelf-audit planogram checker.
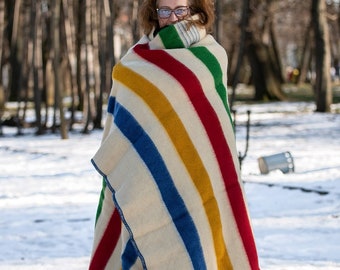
(14, 50)
(322, 86)
(89, 66)
(134, 21)
(65, 48)
(56, 66)
(218, 23)
(36, 35)
(241, 51)
(2, 90)
(70, 37)
(266, 79)
(306, 56)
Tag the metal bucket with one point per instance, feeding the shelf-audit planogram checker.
(282, 161)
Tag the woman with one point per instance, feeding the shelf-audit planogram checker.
(172, 195)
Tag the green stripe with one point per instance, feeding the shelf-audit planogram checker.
(171, 38)
(101, 199)
(210, 61)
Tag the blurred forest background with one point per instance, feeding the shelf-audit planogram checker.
(56, 56)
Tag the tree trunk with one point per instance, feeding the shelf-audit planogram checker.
(97, 101)
(24, 54)
(14, 51)
(266, 82)
(274, 53)
(263, 63)
(2, 89)
(104, 18)
(36, 34)
(135, 26)
(218, 21)
(110, 36)
(89, 68)
(322, 86)
(241, 50)
(2, 27)
(305, 57)
(80, 51)
(71, 54)
(56, 67)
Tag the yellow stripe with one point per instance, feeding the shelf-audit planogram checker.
(174, 127)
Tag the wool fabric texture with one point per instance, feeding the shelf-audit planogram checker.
(172, 197)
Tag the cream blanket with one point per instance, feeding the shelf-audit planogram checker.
(172, 195)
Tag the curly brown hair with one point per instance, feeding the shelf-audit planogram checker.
(204, 8)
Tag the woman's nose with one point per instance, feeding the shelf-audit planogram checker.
(173, 17)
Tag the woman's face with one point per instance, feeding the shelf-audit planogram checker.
(171, 11)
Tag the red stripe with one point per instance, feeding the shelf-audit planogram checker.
(215, 133)
(107, 243)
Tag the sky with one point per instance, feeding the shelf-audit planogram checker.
(49, 192)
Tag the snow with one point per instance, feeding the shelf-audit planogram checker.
(49, 192)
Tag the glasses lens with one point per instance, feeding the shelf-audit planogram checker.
(164, 13)
(181, 11)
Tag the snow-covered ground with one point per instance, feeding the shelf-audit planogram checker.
(49, 192)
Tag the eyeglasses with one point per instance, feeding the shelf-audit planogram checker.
(165, 13)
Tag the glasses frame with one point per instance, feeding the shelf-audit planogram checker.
(173, 11)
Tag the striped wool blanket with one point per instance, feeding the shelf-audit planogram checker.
(172, 195)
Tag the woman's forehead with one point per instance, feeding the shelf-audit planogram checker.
(172, 3)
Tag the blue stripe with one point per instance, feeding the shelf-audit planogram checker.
(129, 256)
(172, 199)
(111, 105)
